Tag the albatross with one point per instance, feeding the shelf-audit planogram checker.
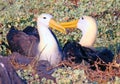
(84, 49)
(48, 47)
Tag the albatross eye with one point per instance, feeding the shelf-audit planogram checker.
(82, 18)
(44, 17)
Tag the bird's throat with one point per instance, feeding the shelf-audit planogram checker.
(48, 48)
(88, 38)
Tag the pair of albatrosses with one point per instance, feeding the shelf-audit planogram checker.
(43, 43)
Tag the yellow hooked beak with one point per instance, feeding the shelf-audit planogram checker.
(71, 24)
(56, 26)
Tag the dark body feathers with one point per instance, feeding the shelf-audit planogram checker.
(74, 49)
(24, 42)
(31, 31)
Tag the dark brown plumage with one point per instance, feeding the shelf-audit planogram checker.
(74, 49)
(8, 74)
(24, 42)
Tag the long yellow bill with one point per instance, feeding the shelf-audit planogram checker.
(71, 24)
(56, 26)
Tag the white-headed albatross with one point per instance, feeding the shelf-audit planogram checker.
(48, 47)
(41, 42)
(84, 49)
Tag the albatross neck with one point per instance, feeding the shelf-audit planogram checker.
(46, 37)
(89, 37)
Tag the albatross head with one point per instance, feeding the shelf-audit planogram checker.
(85, 23)
(47, 21)
(88, 26)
